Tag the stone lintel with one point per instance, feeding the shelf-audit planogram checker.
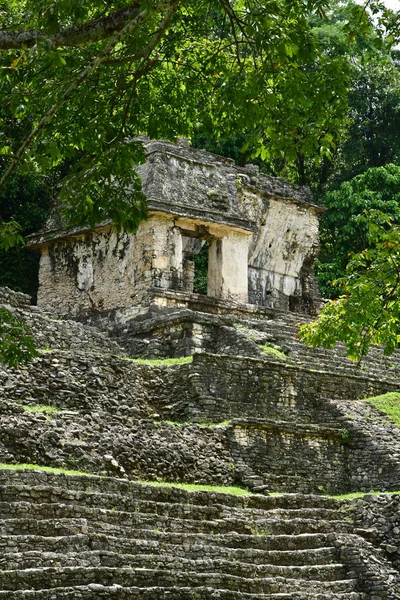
(46, 238)
(192, 227)
(202, 228)
(199, 214)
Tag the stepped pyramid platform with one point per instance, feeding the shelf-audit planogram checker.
(88, 537)
(243, 403)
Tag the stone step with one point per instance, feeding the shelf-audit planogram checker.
(126, 524)
(243, 545)
(120, 522)
(48, 577)
(230, 543)
(289, 482)
(49, 527)
(286, 334)
(116, 592)
(21, 483)
(23, 509)
(333, 364)
(166, 561)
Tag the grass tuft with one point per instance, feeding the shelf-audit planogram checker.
(31, 467)
(389, 404)
(158, 362)
(40, 408)
(271, 351)
(198, 487)
(190, 487)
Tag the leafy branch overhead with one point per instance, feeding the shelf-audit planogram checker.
(368, 311)
(82, 79)
(16, 342)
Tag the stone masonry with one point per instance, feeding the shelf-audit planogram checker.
(262, 234)
(139, 379)
(251, 407)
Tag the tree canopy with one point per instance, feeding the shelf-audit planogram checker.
(368, 311)
(345, 225)
(81, 79)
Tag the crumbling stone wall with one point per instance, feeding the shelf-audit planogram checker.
(14, 299)
(376, 576)
(282, 253)
(372, 446)
(290, 457)
(105, 418)
(239, 387)
(49, 332)
(285, 424)
(377, 517)
(98, 271)
(92, 271)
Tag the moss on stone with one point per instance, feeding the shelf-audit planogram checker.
(158, 362)
(389, 404)
(32, 467)
(195, 487)
(272, 351)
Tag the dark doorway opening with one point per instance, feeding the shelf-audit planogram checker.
(201, 270)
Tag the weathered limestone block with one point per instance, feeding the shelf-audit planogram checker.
(282, 252)
(227, 275)
(88, 272)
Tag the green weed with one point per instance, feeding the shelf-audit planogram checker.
(346, 436)
(388, 403)
(198, 487)
(158, 362)
(271, 351)
(41, 408)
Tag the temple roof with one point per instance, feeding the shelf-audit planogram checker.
(196, 184)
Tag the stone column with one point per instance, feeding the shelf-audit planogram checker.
(167, 256)
(227, 267)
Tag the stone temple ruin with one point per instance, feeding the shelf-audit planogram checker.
(262, 235)
(234, 399)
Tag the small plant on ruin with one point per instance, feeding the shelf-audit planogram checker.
(345, 436)
(41, 408)
(272, 351)
(389, 404)
(16, 342)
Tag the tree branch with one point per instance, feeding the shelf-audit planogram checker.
(145, 52)
(130, 26)
(76, 35)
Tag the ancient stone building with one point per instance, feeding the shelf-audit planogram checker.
(242, 402)
(261, 233)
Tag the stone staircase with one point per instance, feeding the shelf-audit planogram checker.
(90, 538)
(283, 331)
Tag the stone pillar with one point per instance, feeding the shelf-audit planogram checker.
(188, 275)
(227, 267)
(167, 255)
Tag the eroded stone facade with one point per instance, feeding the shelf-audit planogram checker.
(262, 235)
